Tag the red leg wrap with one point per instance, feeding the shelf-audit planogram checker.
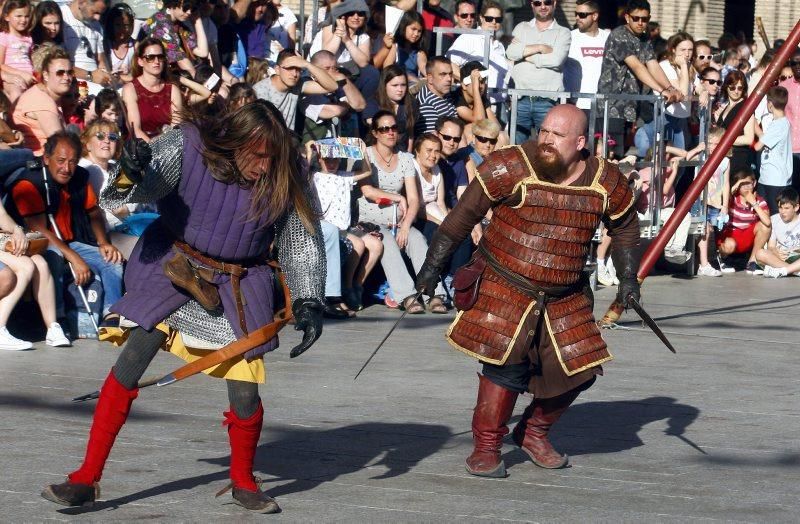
(110, 414)
(243, 435)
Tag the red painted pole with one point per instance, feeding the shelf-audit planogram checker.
(653, 252)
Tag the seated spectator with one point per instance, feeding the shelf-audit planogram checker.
(283, 89)
(107, 106)
(432, 209)
(389, 199)
(286, 22)
(9, 137)
(37, 114)
(253, 20)
(407, 50)
(321, 109)
(26, 270)
(360, 252)
(239, 95)
(782, 255)
(47, 24)
(184, 40)
(486, 134)
(775, 145)
(393, 96)
(749, 228)
(434, 99)
(15, 47)
(472, 104)
(81, 240)
(74, 104)
(257, 70)
(452, 163)
(153, 103)
(83, 40)
(119, 43)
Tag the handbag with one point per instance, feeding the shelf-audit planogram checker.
(467, 283)
(37, 243)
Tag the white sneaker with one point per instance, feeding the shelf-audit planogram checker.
(11, 343)
(612, 271)
(677, 257)
(55, 336)
(774, 272)
(708, 271)
(604, 276)
(725, 268)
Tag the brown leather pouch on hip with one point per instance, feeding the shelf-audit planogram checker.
(195, 281)
(467, 282)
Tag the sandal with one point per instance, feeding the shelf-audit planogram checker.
(337, 311)
(412, 306)
(436, 305)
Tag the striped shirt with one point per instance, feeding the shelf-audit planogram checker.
(430, 107)
(742, 215)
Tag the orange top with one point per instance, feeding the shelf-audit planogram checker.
(29, 203)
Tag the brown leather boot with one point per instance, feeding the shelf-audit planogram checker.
(492, 411)
(70, 494)
(257, 501)
(530, 433)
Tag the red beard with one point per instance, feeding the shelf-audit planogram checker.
(548, 164)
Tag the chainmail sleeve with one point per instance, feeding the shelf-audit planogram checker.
(160, 177)
(301, 254)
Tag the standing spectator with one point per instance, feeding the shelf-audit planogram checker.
(408, 49)
(750, 225)
(792, 86)
(15, 47)
(677, 67)
(248, 18)
(153, 103)
(286, 22)
(702, 57)
(775, 145)
(393, 96)
(434, 99)
(48, 24)
(37, 114)
(435, 15)
(734, 89)
(468, 48)
(654, 34)
(585, 57)
(283, 89)
(539, 49)
(630, 67)
(83, 40)
(184, 41)
(119, 43)
(466, 13)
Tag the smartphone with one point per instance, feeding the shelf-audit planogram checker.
(213, 83)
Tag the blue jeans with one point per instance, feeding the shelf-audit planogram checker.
(530, 114)
(333, 278)
(109, 274)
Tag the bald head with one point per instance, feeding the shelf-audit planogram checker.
(564, 128)
(568, 118)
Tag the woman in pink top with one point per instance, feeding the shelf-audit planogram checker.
(37, 114)
(15, 47)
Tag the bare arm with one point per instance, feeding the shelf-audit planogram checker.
(49, 122)
(379, 60)
(177, 105)
(748, 134)
(323, 83)
(132, 107)
(202, 49)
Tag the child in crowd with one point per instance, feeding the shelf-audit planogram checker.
(775, 145)
(15, 47)
(782, 255)
(407, 50)
(334, 188)
(749, 228)
(717, 201)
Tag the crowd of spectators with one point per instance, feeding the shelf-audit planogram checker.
(80, 78)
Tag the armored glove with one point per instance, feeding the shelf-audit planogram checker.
(626, 261)
(308, 319)
(136, 155)
(429, 274)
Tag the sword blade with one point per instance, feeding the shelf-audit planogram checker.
(650, 322)
(416, 297)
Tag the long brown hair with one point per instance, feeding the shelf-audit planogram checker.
(279, 189)
(137, 70)
(384, 102)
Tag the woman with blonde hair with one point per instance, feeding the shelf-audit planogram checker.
(485, 134)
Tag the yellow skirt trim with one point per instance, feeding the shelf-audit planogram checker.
(235, 369)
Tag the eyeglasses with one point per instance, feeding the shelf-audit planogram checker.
(537, 3)
(153, 57)
(387, 129)
(354, 13)
(464, 16)
(68, 72)
(485, 139)
(640, 18)
(705, 57)
(712, 81)
(584, 15)
(448, 138)
(112, 137)
(493, 19)
(784, 77)
(738, 87)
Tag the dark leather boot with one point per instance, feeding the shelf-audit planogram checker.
(492, 411)
(531, 432)
(257, 501)
(69, 494)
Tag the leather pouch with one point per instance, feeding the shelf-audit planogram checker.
(37, 243)
(193, 280)
(467, 282)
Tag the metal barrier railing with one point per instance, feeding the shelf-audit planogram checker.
(441, 31)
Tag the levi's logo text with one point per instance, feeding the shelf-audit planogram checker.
(592, 52)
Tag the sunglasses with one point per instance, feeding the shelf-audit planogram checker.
(448, 138)
(387, 129)
(584, 15)
(485, 139)
(68, 72)
(112, 137)
(640, 18)
(464, 16)
(354, 13)
(712, 81)
(795, 63)
(493, 19)
(152, 58)
(705, 57)
(782, 78)
(736, 88)
(537, 3)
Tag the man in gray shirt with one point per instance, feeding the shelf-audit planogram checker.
(539, 49)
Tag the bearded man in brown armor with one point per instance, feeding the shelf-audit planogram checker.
(525, 303)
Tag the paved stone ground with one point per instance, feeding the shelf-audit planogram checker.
(709, 434)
